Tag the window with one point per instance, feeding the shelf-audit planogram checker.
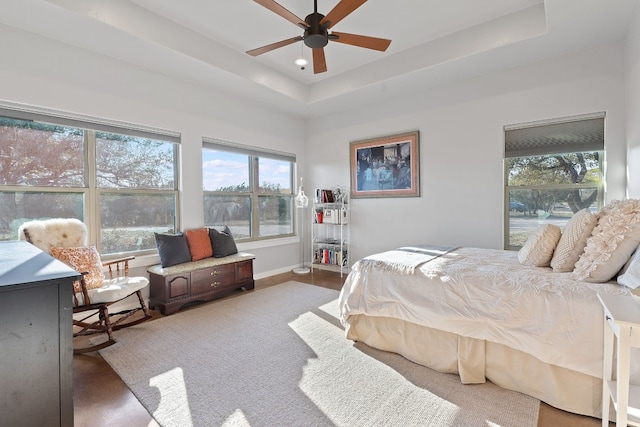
(120, 182)
(248, 190)
(552, 171)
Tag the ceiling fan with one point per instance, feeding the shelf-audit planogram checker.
(316, 34)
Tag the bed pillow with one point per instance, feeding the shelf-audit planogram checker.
(631, 276)
(222, 242)
(172, 248)
(199, 243)
(611, 243)
(538, 250)
(573, 240)
(82, 259)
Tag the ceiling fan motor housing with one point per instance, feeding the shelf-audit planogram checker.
(316, 35)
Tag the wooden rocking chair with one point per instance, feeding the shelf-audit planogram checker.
(66, 239)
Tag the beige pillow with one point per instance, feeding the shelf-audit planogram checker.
(538, 249)
(573, 240)
(611, 243)
(82, 259)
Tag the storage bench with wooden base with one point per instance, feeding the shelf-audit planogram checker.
(203, 280)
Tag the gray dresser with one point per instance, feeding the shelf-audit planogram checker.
(36, 343)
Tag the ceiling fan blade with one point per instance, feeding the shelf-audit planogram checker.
(361, 41)
(340, 11)
(319, 62)
(272, 46)
(285, 13)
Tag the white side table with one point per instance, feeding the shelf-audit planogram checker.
(622, 326)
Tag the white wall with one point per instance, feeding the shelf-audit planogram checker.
(40, 72)
(633, 106)
(461, 148)
(461, 133)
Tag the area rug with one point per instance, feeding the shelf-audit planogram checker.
(278, 357)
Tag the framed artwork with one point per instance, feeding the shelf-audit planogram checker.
(386, 167)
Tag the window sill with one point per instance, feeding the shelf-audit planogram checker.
(268, 243)
(144, 261)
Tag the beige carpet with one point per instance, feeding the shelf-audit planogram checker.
(278, 357)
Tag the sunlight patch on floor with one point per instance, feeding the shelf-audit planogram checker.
(171, 383)
(338, 374)
(237, 419)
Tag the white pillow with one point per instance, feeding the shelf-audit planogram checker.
(540, 246)
(611, 243)
(631, 277)
(573, 240)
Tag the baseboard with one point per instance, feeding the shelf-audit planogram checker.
(275, 272)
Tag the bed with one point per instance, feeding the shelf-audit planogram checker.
(484, 315)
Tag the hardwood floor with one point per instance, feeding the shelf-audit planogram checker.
(101, 399)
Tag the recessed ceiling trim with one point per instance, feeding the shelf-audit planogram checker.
(144, 25)
(506, 30)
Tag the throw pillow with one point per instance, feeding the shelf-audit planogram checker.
(172, 248)
(611, 243)
(82, 259)
(199, 243)
(573, 240)
(538, 249)
(222, 242)
(627, 264)
(631, 276)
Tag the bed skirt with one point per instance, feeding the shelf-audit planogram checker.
(476, 360)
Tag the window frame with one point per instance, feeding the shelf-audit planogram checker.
(588, 147)
(254, 154)
(89, 189)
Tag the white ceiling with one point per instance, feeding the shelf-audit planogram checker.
(434, 42)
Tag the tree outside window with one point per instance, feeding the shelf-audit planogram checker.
(549, 190)
(122, 186)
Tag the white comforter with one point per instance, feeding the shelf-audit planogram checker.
(487, 294)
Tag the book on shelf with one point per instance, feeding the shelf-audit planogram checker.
(330, 256)
(324, 196)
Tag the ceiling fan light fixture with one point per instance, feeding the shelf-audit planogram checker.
(301, 62)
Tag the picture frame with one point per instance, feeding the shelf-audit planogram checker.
(387, 166)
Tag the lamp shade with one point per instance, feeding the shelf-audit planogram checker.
(301, 200)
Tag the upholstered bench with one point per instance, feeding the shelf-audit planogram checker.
(202, 280)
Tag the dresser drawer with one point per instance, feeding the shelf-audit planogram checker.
(211, 279)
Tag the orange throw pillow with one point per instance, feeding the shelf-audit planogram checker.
(199, 243)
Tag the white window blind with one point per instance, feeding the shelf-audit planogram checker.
(86, 122)
(565, 136)
(216, 144)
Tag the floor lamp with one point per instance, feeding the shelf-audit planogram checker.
(301, 202)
